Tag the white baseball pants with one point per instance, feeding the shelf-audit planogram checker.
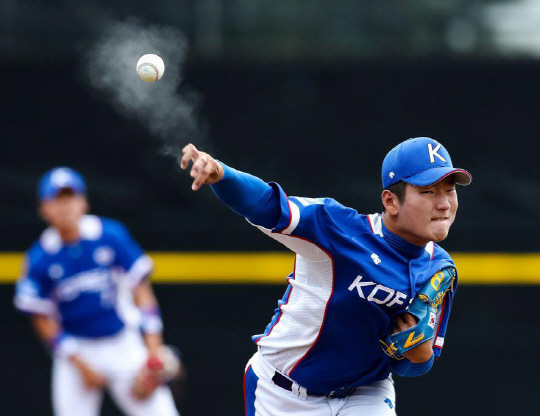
(264, 398)
(119, 358)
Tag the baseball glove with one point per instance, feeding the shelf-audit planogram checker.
(158, 370)
(424, 308)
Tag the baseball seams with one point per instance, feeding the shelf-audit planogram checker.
(151, 65)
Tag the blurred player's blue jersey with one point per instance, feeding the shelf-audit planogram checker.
(80, 282)
(347, 287)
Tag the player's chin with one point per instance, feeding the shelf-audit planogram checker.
(439, 230)
(67, 222)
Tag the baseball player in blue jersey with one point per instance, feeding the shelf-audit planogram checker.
(85, 285)
(370, 295)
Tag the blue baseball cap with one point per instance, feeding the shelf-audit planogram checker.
(56, 179)
(421, 162)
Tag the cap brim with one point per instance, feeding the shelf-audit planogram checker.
(53, 192)
(434, 175)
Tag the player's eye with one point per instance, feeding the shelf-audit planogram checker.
(451, 190)
(426, 192)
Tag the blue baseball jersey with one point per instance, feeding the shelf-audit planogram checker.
(81, 283)
(346, 290)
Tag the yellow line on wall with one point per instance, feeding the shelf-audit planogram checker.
(498, 268)
(273, 267)
(265, 267)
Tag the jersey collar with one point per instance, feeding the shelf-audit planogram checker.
(90, 228)
(401, 246)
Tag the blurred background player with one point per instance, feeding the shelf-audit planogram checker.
(86, 286)
(357, 279)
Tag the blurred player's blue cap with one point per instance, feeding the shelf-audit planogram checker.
(56, 179)
(421, 162)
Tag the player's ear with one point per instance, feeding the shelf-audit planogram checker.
(390, 202)
(42, 212)
(86, 206)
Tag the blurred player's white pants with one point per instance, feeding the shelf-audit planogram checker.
(119, 358)
(264, 398)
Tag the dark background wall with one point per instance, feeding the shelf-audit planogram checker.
(318, 130)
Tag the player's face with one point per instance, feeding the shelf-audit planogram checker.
(64, 211)
(428, 211)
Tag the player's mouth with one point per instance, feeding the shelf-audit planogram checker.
(439, 218)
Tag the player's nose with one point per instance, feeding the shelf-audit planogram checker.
(443, 203)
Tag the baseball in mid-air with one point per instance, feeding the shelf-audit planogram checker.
(150, 68)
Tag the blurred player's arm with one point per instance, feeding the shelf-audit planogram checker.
(138, 269)
(50, 332)
(151, 323)
(163, 364)
(46, 327)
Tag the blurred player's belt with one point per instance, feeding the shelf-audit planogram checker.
(285, 383)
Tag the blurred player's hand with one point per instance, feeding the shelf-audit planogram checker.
(148, 379)
(205, 168)
(91, 379)
(159, 369)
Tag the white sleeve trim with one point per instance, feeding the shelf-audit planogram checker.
(142, 267)
(295, 218)
(68, 347)
(439, 342)
(151, 324)
(32, 304)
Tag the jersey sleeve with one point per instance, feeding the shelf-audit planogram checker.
(305, 225)
(248, 196)
(129, 255)
(405, 368)
(34, 288)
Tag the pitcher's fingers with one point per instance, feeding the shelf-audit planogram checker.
(199, 163)
(208, 169)
(400, 325)
(408, 319)
(186, 158)
(199, 180)
(190, 152)
(188, 147)
(199, 171)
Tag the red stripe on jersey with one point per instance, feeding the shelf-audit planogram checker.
(245, 398)
(370, 224)
(439, 324)
(290, 214)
